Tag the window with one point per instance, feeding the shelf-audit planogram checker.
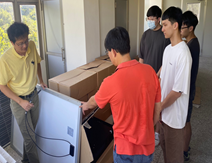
(6, 19)
(29, 17)
(195, 8)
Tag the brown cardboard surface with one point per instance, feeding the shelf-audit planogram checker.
(197, 96)
(86, 155)
(84, 98)
(54, 82)
(80, 85)
(104, 113)
(101, 67)
(90, 94)
(104, 57)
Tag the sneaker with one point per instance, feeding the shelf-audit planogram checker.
(189, 150)
(157, 141)
(186, 156)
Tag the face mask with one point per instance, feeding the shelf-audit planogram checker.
(151, 24)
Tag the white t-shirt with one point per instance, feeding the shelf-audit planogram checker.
(175, 75)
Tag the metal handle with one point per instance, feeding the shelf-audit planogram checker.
(63, 54)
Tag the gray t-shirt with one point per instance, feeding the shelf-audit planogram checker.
(152, 46)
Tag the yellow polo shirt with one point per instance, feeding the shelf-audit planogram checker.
(19, 73)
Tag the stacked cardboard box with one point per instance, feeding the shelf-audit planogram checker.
(104, 57)
(84, 82)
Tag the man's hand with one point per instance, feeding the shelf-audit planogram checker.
(84, 107)
(43, 85)
(26, 105)
(88, 105)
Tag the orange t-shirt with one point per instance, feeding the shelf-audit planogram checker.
(132, 92)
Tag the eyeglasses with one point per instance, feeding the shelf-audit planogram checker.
(23, 43)
(184, 27)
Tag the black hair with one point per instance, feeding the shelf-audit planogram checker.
(154, 11)
(173, 14)
(17, 30)
(189, 19)
(118, 39)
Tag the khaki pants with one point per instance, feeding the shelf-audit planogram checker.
(30, 150)
(172, 144)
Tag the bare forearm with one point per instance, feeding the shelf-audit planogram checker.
(157, 111)
(39, 73)
(7, 92)
(141, 60)
(158, 73)
(170, 99)
(92, 103)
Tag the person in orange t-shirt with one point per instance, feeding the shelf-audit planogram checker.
(134, 94)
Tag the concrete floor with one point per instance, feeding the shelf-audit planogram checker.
(201, 121)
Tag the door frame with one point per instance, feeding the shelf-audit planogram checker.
(45, 51)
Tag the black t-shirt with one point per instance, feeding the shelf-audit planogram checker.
(194, 47)
(152, 46)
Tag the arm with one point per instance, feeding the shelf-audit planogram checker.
(170, 99)
(141, 60)
(88, 105)
(43, 85)
(157, 112)
(158, 73)
(23, 103)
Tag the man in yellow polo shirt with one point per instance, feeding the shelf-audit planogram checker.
(19, 68)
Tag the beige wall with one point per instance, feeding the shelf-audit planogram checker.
(136, 15)
(107, 20)
(167, 3)
(208, 32)
(92, 33)
(74, 32)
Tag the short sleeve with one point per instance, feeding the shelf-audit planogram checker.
(5, 74)
(142, 47)
(103, 96)
(182, 74)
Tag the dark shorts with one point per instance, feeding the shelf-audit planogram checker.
(190, 105)
(131, 158)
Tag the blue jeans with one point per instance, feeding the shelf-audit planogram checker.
(131, 158)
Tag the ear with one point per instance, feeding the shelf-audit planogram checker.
(113, 52)
(191, 28)
(175, 25)
(12, 43)
(159, 19)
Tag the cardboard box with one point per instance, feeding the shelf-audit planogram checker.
(104, 57)
(54, 82)
(86, 152)
(104, 113)
(79, 85)
(101, 67)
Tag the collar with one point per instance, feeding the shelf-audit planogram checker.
(127, 64)
(19, 56)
